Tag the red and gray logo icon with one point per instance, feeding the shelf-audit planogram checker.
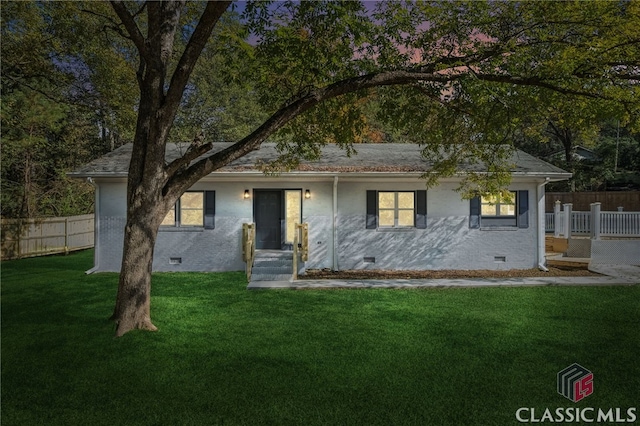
(575, 382)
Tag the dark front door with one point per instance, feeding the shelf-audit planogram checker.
(268, 217)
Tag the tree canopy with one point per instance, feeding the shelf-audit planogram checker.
(462, 78)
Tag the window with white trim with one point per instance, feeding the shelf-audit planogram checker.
(396, 209)
(498, 206)
(498, 212)
(193, 209)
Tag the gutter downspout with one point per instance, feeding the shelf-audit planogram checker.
(542, 260)
(96, 223)
(335, 224)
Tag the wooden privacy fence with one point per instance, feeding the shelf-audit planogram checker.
(39, 237)
(581, 201)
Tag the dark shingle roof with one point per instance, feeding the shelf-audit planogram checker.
(382, 158)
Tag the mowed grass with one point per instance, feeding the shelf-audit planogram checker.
(226, 355)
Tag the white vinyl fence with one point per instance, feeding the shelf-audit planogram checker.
(609, 224)
(38, 237)
(614, 224)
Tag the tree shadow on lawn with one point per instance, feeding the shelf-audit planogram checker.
(227, 355)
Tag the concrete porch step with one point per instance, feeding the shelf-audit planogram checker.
(270, 277)
(272, 265)
(260, 269)
(273, 254)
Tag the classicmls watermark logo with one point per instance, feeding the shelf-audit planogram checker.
(575, 382)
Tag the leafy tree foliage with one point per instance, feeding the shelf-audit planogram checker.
(616, 165)
(70, 94)
(42, 135)
(464, 79)
(620, 150)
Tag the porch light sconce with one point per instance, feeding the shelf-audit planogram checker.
(307, 194)
(247, 194)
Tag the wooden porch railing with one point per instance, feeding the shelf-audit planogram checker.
(300, 246)
(248, 246)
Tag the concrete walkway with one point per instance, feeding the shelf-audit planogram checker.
(630, 272)
(628, 276)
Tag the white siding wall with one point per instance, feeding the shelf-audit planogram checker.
(216, 249)
(447, 243)
(110, 222)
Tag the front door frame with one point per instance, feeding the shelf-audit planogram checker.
(284, 245)
(259, 244)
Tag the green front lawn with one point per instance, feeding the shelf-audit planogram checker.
(225, 355)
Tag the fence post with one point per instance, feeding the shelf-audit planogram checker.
(568, 213)
(295, 251)
(19, 238)
(556, 218)
(66, 235)
(595, 221)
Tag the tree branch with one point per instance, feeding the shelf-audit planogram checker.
(188, 176)
(131, 26)
(185, 178)
(537, 82)
(195, 150)
(22, 82)
(105, 17)
(144, 5)
(467, 60)
(442, 102)
(198, 40)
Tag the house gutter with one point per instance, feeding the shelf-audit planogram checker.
(335, 223)
(542, 260)
(96, 223)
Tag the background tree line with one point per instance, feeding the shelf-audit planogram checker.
(69, 96)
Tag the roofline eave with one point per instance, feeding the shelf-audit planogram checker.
(553, 176)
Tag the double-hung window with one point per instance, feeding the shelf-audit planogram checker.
(396, 209)
(500, 211)
(193, 209)
(499, 206)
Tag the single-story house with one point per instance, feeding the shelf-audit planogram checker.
(371, 210)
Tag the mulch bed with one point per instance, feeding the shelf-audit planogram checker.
(377, 274)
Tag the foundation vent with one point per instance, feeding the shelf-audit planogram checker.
(369, 260)
(175, 260)
(500, 259)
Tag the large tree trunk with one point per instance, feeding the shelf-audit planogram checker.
(132, 310)
(149, 197)
(133, 303)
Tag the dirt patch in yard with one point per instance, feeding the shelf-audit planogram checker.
(378, 274)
